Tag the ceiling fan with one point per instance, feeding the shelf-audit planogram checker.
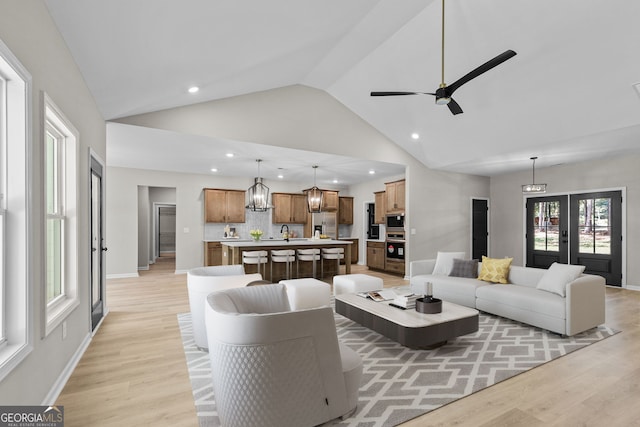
(444, 92)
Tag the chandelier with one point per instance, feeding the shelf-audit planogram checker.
(314, 195)
(258, 194)
(534, 188)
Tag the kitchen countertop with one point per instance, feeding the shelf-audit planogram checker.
(239, 243)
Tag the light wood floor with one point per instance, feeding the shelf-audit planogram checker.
(134, 372)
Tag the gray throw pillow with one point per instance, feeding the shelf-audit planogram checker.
(465, 268)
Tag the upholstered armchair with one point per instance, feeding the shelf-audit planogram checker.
(275, 367)
(201, 282)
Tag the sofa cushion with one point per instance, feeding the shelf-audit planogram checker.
(524, 298)
(464, 268)
(558, 276)
(495, 270)
(444, 262)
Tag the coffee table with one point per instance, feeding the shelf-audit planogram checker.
(409, 327)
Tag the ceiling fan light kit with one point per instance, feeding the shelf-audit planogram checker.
(444, 93)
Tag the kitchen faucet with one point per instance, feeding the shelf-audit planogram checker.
(286, 235)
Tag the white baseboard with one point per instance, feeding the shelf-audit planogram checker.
(632, 287)
(181, 271)
(145, 268)
(122, 276)
(52, 396)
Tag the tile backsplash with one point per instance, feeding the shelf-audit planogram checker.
(253, 220)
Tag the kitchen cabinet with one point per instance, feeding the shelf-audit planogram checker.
(354, 250)
(224, 205)
(395, 196)
(381, 207)
(212, 253)
(345, 210)
(330, 200)
(375, 255)
(289, 208)
(396, 267)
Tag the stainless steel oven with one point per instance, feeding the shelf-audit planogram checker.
(395, 245)
(395, 222)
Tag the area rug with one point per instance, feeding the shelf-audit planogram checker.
(400, 383)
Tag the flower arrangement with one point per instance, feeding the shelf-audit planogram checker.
(256, 234)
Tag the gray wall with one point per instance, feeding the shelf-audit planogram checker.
(507, 203)
(28, 30)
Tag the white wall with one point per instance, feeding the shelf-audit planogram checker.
(507, 203)
(28, 30)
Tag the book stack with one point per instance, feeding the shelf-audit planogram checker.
(406, 301)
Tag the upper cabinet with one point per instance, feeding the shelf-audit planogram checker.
(289, 208)
(381, 207)
(224, 205)
(330, 200)
(345, 210)
(395, 196)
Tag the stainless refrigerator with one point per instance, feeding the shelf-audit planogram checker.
(326, 222)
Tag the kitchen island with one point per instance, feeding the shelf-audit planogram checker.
(232, 253)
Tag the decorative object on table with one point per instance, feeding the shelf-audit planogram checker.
(258, 194)
(406, 301)
(427, 304)
(534, 188)
(314, 195)
(256, 234)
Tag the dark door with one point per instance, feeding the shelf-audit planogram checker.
(480, 229)
(547, 231)
(97, 244)
(596, 234)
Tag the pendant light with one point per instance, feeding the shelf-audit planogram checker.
(258, 194)
(314, 195)
(534, 188)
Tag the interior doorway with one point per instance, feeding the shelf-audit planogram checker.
(165, 230)
(479, 228)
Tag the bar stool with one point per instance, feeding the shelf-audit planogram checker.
(305, 255)
(283, 255)
(332, 253)
(257, 258)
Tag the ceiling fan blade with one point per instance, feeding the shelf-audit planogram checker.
(480, 70)
(454, 107)
(399, 93)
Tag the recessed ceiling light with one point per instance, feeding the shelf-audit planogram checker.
(229, 155)
(415, 136)
(194, 89)
(214, 170)
(335, 181)
(280, 176)
(372, 172)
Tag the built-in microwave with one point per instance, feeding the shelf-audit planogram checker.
(395, 222)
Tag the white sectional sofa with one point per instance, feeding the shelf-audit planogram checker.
(581, 307)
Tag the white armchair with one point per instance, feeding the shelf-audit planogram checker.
(276, 367)
(201, 282)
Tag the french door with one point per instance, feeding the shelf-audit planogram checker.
(583, 229)
(596, 237)
(479, 228)
(97, 244)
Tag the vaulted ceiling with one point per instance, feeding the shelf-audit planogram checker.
(567, 96)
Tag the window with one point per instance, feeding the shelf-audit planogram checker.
(15, 168)
(61, 278)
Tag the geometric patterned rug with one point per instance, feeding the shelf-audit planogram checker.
(399, 383)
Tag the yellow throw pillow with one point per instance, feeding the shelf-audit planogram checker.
(495, 270)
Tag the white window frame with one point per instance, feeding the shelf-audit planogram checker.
(16, 154)
(58, 309)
